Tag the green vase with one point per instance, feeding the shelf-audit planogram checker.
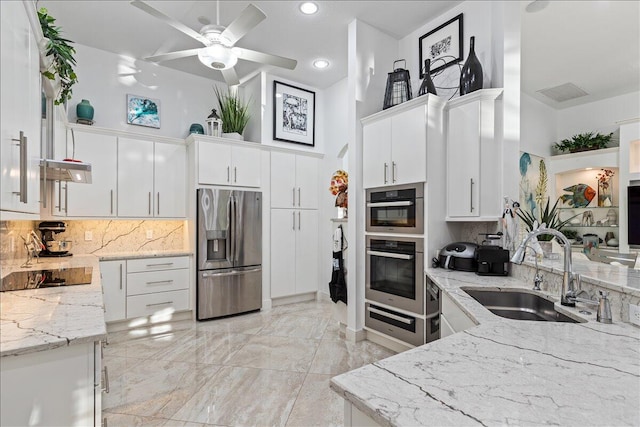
(84, 110)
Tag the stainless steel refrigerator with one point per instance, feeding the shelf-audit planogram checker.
(229, 251)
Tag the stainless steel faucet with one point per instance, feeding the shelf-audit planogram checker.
(569, 278)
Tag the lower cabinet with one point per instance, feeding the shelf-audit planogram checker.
(145, 287)
(453, 319)
(294, 252)
(58, 387)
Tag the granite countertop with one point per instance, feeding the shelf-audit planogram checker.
(504, 371)
(42, 319)
(143, 254)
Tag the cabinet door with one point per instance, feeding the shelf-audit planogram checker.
(409, 146)
(307, 182)
(306, 251)
(114, 289)
(20, 111)
(214, 163)
(376, 154)
(135, 178)
(170, 182)
(283, 180)
(99, 197)
(283, 252)
(463, 161)
(246, 164)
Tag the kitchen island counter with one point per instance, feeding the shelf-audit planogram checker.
(142, 254)
(34, 320)
(504, 371)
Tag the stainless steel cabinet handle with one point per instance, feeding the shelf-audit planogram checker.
(158, 210)
(160, 303)
(159, 281)
(106, 379)
(66, 197)
(59, 196)
(228, 173)
(22, 143)
(111, 201)
(120, 276)
(393, 171)
(390, 255)
(293, 196)
(391, 316)
(160, 264)
(149, 202)
(293, 215)
(235, 174)
(299, 222)
(389, 204)
(298, 196)
(471, 196)
(386, 168)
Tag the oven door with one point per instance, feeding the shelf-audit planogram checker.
(397, 209)
(397, 325)
(395, 273)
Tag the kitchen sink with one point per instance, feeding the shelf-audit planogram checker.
(519, 304)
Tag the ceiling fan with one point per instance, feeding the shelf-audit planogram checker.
(219, 51)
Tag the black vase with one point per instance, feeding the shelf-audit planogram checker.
(471, 74)
(427, 85)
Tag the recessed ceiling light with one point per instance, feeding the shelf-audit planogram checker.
(308, 8)
(321, 63)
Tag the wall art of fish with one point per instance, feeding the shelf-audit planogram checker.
(581, 197)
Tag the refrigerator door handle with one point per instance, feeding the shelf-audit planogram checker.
(231, 231)
(231, 273)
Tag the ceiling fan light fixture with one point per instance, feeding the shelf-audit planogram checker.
(321, 64)
(308, 7)
(217, 57)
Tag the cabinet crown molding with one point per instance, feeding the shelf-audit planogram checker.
(428, 99)
(124, 134)
(479, 95)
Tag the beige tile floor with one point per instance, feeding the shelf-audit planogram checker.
(260, 369)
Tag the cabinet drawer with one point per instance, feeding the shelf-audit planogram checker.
(157, 281)
(153, 264)
(158, 303)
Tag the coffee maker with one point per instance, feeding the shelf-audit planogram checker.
(53, 247)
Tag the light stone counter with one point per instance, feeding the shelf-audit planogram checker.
(504, 371)
(42, 319)
(143, 254)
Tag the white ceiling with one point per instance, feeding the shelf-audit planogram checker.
(592, 44)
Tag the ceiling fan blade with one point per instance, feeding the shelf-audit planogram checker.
(248, 19)
(265, 58)
(169, 21)
(173, 55)
(230, 77)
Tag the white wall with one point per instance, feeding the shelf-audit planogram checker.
(255, 91)
(538, 124)
(105, 79)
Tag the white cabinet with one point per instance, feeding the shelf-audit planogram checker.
(395, 142)
(58, 387)
(474, 157)
(20, 111)
(97, 199)
(452, 319)
(114, 289)
(221, 163)
(294, 181)
(294, 252)
(151, 179)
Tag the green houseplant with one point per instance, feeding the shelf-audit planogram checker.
(61, 53)
(234, 112)
(584, 142)
(549, 216)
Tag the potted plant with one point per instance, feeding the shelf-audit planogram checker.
(61, 54)
(584, 142)
(234, 113)
(548, 216)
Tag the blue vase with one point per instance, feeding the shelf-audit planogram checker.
(84, 110)
(196, 128)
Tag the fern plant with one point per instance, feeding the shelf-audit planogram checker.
(233, 111)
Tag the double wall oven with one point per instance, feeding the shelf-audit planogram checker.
(398, 301)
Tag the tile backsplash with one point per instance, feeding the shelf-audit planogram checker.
(107, 236)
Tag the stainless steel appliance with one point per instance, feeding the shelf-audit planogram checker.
(229, 252)
(394, 272)
(396, 209)
(53, 247)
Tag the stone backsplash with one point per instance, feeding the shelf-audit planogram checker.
(11, 243)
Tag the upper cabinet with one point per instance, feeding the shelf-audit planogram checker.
(474, 157)
(395, 142)
(20, 111)
(224, 163)
(294, 181)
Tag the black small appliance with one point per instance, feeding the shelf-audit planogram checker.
(458, 256)
(492, 261)
(53, 248)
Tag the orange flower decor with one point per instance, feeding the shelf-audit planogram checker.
(339, 186)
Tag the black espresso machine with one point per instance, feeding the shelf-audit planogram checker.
(53, 247)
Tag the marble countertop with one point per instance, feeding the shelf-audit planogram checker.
(143, 254)
(504, 371)
(41, 319)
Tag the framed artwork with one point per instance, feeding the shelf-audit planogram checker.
(143, 111)
(294, 112)
(443, 45)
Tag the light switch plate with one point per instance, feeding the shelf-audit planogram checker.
(149, 234)
(634, 314)
(88, 236)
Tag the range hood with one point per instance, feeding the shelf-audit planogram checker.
(65, 170)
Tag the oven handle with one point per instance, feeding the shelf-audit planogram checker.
(391, 316)
(390, 255)
(389, 204)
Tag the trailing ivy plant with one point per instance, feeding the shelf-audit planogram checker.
(61, 53)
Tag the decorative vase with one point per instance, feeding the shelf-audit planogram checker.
(196, 128)
(427, 85)
(233, 135)
(84, 110)
(471, 74)
(605, 194)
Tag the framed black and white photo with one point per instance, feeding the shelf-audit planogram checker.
(294, 112)
(143, 111)
(443, 45)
